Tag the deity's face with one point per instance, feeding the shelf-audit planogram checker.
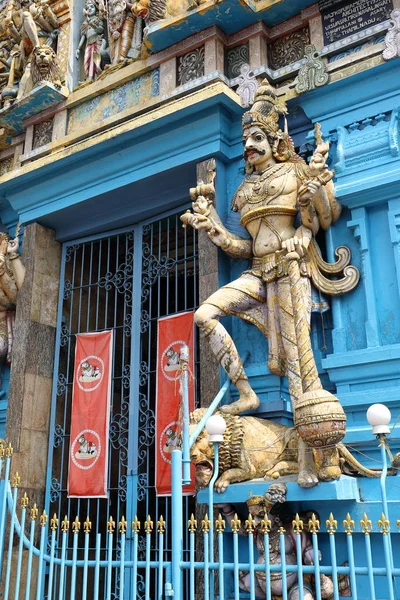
(257, 150)
(91, 9)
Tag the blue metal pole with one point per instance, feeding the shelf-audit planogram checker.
(267, 567)
(283, 563)
(184, 361)
(211, 512)
(177, 526)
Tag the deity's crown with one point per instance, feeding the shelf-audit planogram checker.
(265, 110)
(256, 501)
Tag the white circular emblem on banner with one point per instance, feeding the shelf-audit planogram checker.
(170, 360)
(90, 373)
(169, 440)
(86, 449)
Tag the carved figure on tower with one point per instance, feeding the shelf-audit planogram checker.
(25, 25)
(125, 31)
(12, 274)
(93, 38)
(282, 202)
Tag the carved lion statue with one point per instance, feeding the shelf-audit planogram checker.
(253, 448)
(45, 66)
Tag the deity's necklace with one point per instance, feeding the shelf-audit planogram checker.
(264, 180)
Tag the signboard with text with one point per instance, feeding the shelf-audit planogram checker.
(341, 19)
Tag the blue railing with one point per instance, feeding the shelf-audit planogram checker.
(227, 556)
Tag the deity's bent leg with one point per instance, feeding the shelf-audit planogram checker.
(318, 414)
(222, 345)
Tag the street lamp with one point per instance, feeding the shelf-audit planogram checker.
(378, 416)
(215, 428)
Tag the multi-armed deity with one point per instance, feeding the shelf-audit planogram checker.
(12, 274)
(25, 27)
(282, 202)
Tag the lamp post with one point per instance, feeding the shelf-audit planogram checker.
(215, 427)
(378, 416)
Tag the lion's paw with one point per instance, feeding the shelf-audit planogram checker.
(307, 479)
(221, 485)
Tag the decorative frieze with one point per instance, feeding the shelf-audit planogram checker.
(190, 66)
(6, 165)
(235, 58)
(42, 134)
(288, 49)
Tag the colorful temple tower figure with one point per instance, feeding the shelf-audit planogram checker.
(178, 161)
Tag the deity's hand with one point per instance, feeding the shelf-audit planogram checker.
(13, 246)
(308, 190)
(196, 220)
(205, 189)
(296, 245)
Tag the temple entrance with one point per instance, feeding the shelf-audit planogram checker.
(124, 280)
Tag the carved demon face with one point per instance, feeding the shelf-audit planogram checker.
(44, 57)
(202, 456)
(257, 150)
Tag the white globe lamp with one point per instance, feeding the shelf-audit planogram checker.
(378, 416)
(215, 428)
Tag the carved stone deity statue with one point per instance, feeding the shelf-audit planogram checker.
(93, 38)
(12, 274)
(268, 513)
(25, 25)
(275, 292)
(125, 31)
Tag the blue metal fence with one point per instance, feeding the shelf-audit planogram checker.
(35, 546)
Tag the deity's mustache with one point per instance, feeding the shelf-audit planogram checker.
(259, 151)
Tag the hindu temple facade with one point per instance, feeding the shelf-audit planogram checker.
(110, 113)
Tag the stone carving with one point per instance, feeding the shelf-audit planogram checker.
(93, 38)
(255, 448)
(275, 293)
(288, 49)
(247, 87)
(42, 134)
(6, 165)
(24, 26)
(191, 66)
(270, 513)
(392, 38)
(12, 273)
(313, 73)
(124, 30)
(235, 58)
(155, 10)
(45, 66)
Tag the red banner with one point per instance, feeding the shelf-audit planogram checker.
(173, 333)
(88, 452)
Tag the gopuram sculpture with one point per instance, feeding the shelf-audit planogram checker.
(93, 37)
(25, 25)
(275, 292)
(255, 448)
(268, 514)
(12, 274)
(125, 31)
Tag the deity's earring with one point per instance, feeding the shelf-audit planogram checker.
(282, 149)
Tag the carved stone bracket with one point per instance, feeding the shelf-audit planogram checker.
(313, 73)
(392, 38)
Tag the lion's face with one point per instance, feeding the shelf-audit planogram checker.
(202, 456)
(44, 57)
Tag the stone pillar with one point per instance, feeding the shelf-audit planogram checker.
(209, 368)
(168, 76)
(29, 402)
(213, 56)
